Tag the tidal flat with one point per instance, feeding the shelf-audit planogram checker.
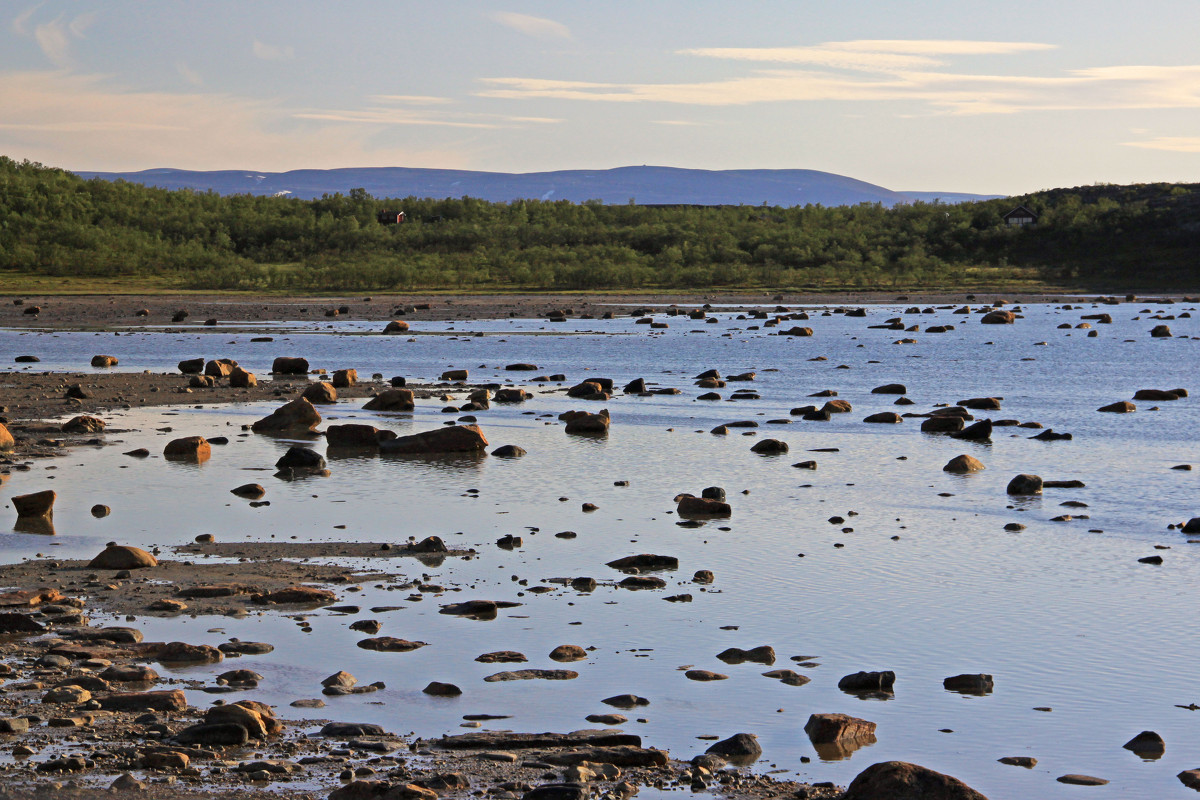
(844, 547)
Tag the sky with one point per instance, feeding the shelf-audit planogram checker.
(963, 96)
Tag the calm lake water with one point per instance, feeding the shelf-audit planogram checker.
(921, 577)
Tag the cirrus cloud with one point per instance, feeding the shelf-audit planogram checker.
(537, 27)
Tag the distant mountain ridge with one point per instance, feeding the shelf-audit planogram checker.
(643, 185)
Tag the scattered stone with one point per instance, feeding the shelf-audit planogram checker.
(964, 463)
(704, 675)
(1081, 780)
(568, 652)
(533, 674)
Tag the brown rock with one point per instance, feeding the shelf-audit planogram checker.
(184, 653)
(120, 556)
(454, 375)
(295, 595)
(295, 417)
(452, 439)
(396, 326)
(568, 652)
(586, 423)
(1081, 780)
(390, 644)
(284, 365)
(942, 424)
(533, 674)
(999, 317)
(692, 507)
(355, 435)
(173, 700)
(1120, 407)
(7, 442)
(832, 728)
(885, 417)
(964, 463)
(439, 689)
(191, 366)
(188, 448)
(320, 393)
(251, 490)
(704, 675)
(345, 378)
(899, 780)
(1025, 485)
(83, 424)
(241, 379)
(502, 657)
(257, 718)
(220, 367)
(392, 400)
(38, 504)
(104, 361)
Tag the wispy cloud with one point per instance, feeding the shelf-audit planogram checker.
(20, 23)
(869, 54)
(537, 27)
(683, 123)
(886, 71)
(1173, 144)
(190, 75)
(54, 37)
(402, 116)
(411, 99)
(86, 122)
(272, 52)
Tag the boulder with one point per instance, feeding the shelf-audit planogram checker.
(1159, 395)
(942, 424)
(900, 780)
(1190, 778)
(104, 361)
(1025, 485)
(890, 388)
(568, 652)
(83, 424)
(188, 448)
(320, 393)
(1161, 332)
(837, 407)
(396, 326)
(250, 490)
(868, 682)
(345, 378)
(241, 379)
(1120, 407)
(511, 396)
(830, 728)
(976, 684)
(297, 416)
(981, 403)
(999, 317)
(119, 556)
(38, 504)
(172, 700)
(184, 653)
(1148, 745)
(980, 431)
(356, 435)
(454, 375)
(763, 654)
(257, 718)
(285, 365)
(220, 367)
(963, 463)
(693, 507)
(301, 459)
(769, 447)
(584, 422)
(7, 442)
(399, 399)
(644, 562)
(191, 366)
(451, 439)
(885, 417)
(739, 748)
(509, 451)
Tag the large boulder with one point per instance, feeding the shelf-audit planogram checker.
(320, 393)
(1161, 332)
(257, 718)
(511, 396)
(396, 326)
(1025, 485)
(119, 556)
(691, 507)
(7, 442)
(769, 447)
(392, 400)
(900, 780)
(583, 422)
(220, 367)
(998, 317)
(284, 365)
(454, 375)
(356, 435)
(890, 417)
(345, 378)
(839, 729)
(191, 366)
(964, 463)
(890, 388)
(104, 361)
(942, 424)
(301, 459)
(297, 416)
(188, 448)
(241, 379)
(83, 424)
(452, 439)
(38, 504)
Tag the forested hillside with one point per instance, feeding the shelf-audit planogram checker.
(1097, 237)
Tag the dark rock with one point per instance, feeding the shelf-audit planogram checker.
(900, 780)
(1148, 745)
(452, 439)
(977, 684)
(1025, 485)
(868, 682)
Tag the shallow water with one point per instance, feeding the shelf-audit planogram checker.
(1062, 617)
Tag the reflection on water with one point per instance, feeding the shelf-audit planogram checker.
(919, 576)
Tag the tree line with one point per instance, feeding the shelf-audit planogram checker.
(54, 223)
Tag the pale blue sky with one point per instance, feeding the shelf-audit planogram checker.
(969, 96)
